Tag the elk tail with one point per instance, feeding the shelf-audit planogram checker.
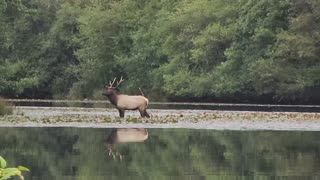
(141, 92)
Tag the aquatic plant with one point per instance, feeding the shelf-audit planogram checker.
(7, 173)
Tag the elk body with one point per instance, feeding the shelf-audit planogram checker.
(125, 102)
(125, 135)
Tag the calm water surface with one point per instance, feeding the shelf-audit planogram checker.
(94, 154)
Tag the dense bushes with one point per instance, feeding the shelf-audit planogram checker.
(5, 109)
(212, 50)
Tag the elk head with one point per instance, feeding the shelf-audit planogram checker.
(113, 88)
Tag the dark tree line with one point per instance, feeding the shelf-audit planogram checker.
(202, 50)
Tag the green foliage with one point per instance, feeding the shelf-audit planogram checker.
(7, 173)
(5, 109)
(199, 48)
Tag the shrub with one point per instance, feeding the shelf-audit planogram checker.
(5, 109)
(7, 173)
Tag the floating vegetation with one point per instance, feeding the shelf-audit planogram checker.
(81, 115)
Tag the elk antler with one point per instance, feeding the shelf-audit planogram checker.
(111, 153)
(111, 83)
(114, 80)
(119, 82)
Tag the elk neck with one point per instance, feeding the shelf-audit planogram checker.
(113, 97)
(112, 137)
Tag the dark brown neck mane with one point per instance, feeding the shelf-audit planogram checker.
(112, 136)
(113, 98)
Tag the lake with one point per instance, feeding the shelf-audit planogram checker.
(103, 153)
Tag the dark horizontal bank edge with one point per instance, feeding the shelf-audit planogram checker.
(171, 105)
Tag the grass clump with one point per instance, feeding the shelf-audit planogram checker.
(5, 109)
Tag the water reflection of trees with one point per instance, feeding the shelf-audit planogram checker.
(43, 150)
(60, 152)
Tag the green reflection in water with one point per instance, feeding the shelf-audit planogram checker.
(85, 153)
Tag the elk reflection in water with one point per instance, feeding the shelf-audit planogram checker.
(124, 135)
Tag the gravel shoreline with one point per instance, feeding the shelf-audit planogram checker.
(193, 119)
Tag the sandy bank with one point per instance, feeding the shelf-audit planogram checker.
(195, 119)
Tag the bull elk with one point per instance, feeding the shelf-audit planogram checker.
(125, 102)
(125, 135)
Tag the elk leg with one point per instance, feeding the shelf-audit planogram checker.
(146, 114)
(142, 113)
(121, 112)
